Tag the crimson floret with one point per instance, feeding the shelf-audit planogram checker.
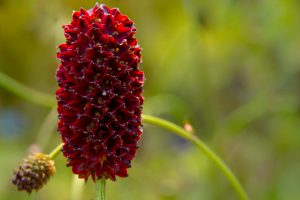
(100, 93)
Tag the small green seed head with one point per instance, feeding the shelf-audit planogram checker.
(34, 172)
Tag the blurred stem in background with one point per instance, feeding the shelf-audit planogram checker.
(203, 147)
(46, 100)
(47, 128)
(25, 92)
(77, 188)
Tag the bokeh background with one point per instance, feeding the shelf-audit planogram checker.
(231, 68)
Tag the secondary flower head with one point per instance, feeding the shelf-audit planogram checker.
(34, 172)
(99, 96)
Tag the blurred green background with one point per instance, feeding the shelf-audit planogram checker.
(231, 68)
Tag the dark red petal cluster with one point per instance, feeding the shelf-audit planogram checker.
(100, 93)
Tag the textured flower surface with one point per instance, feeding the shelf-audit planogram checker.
(34, 172)
(100, 93)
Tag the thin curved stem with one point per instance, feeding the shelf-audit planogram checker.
(55, 151)
(47, 128)
(100, 189)
(203, 147)
(25, 92)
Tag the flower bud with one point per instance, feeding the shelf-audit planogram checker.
(34, 172)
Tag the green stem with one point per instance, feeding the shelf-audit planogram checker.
(77, 188)
(100, 189)
(47, 128)
(203, 147)
(55, 151)
(25, 92)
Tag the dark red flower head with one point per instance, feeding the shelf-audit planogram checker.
(99, 96)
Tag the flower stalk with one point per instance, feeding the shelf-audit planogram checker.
(100, 189)
(47, 128)
(25, 92)
(55, 151)
(203, 147)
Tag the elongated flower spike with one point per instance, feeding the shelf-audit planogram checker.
(100, 93)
